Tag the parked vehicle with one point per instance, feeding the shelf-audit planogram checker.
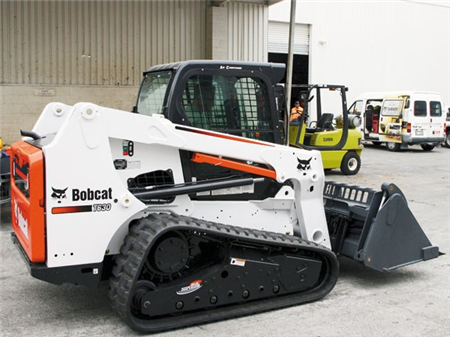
(4, 178)
(447, 134)
(401, 118)
(4, 175)
(332, 132)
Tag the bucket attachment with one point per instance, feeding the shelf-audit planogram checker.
(376, 228)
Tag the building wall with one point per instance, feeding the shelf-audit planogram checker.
(96, 42)
(21, 105)
(96, 51)
(247, 32)
(237, 31)
(376, 46)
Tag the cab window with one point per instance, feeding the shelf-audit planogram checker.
(152, 93)
(435, 109)
(420, 108)
(229, 104)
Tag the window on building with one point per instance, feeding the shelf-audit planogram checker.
(420, 108)
(229, 104)
(435, 109)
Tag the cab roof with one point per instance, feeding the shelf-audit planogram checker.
(275, 71)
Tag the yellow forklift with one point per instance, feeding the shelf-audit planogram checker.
(331, 129)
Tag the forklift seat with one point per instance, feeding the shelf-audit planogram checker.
(325, 122)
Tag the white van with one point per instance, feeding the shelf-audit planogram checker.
(447, 136)
(401, 118)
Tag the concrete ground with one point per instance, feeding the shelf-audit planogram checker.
(412, 301)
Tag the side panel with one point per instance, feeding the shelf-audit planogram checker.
(390, 127)
(423, 122)
(86, 201)
(27, 199)
(332, 159)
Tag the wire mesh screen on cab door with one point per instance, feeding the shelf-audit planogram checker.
(229, 104)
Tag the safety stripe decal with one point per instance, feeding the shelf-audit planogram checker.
(203, 158)
(225, 136)
(72, 209)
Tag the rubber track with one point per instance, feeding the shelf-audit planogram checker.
(129, 262)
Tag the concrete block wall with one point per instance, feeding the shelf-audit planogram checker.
(21, 105)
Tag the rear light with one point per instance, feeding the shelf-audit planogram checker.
(445, 128)
(408, 128)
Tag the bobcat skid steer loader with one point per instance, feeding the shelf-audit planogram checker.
(193, 207)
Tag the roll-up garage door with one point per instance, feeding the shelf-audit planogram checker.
(279, 38)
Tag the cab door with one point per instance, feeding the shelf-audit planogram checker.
(437, 119)
(420, 121)
(390, 129)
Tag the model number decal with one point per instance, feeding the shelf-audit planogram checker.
(101, 207)
(82, 209)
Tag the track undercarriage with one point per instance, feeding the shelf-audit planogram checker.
(176, 271)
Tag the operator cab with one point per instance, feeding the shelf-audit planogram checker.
(230, 97)
(235, 98)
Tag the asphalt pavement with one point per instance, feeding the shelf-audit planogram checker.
(411, 301)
